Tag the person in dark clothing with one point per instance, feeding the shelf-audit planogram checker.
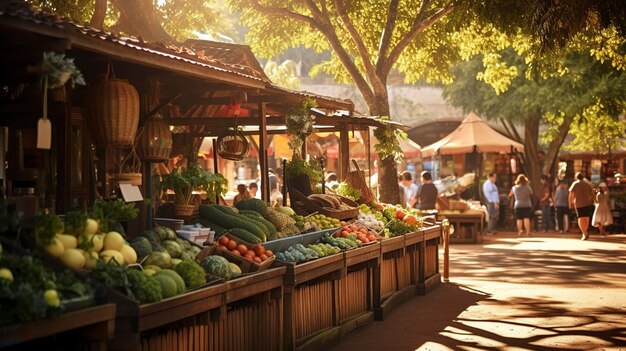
(427, 194)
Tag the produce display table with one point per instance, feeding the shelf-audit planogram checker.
(88, 329)
(468, 227)
(228, 316)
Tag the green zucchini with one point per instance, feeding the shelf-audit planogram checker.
(233, 221)
(271, 230)
(245, 235)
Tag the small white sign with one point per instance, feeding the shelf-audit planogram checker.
(44, 134)
(131, 193)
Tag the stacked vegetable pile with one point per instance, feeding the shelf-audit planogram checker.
(327, 245)
(163, 248)
(251, 221)
(30, 290)
(394, 219)
(79, 241)
(297, 254)
(329, 202)
(256, 254)
(359, 231)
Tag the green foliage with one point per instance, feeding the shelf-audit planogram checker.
(129, 281)
(597, 131)
(297, 166)
(344, 189)
(54, 66)
(283, 74)
(184, 182)
(111, 212)
(47, 225)
(299, 123)
(388, 143)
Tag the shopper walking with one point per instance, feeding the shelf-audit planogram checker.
(410, 189)
(243, 194)
(427, 193)
(560, 202)
(581, 199)
(602, 216)
(545, 196)
(492, 198)
(523, 204)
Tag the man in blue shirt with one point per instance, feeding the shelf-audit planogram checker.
(490, 190)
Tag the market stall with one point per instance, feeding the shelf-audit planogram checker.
(97, 267)
(474, 138)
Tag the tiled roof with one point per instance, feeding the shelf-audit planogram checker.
(24, 11)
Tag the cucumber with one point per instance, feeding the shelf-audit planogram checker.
(226, 209)
(271, 230)
(227, 221)
(245, 235)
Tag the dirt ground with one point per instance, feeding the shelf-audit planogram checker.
(547, 292)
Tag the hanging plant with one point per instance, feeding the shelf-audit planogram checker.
(388, 140)
(184, 182)
(58, 69)
(299, 123)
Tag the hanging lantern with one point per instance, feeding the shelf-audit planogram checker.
(155, 143)
(114, 111)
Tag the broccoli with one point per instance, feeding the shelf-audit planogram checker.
(145, 289)
(192, 274)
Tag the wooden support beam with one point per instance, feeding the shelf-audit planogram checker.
(344, 152)
(263, 153)
(227, 100)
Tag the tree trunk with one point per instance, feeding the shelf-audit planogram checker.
(555, 146)
(387, 169)
(100, 10)
(531, 150)
(139, 18)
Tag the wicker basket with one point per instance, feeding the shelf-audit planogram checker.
(183, 210)
(155, 143)
(114, 110)
(304, 206)
(356, 179)
(127, 178)
(232, 146)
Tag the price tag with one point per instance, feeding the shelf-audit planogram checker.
(44, 134)
(131, 193)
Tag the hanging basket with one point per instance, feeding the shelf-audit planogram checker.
(114, 110)
(155, 142)
(233, 145)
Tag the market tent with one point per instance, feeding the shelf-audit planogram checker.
(472, 135)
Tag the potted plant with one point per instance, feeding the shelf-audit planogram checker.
(58, 69)
(184, 182)
(301, 174)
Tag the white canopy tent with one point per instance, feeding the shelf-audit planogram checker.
(473, 134)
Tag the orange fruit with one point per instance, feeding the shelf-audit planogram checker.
(263, 257)
(231, 245)
(259, 249)
(223, 241)
(242, 249)
(250, 253)
(257, 259)
(236, 252)
(269, 253)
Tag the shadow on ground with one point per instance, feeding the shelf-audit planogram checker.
(531, 324)
(414, 322)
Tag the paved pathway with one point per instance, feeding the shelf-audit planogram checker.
(548, 292)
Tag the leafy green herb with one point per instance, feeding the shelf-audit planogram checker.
(184, 182)
(299, 123)
(47, 225)
(345, 189)
(75, 222)
(56, 65)
(111, 212)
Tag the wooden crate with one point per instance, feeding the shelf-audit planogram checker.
(150, 325)
(432, 277)
(392, 278)
(87, 329)
(355, 300)
(241, 314)
(310, 309)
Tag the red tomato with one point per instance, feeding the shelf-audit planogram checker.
(223, 241)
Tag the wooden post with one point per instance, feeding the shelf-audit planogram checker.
(445, 225)
(368, 152)
(263, 152)
(344, 152)
(215, 167)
